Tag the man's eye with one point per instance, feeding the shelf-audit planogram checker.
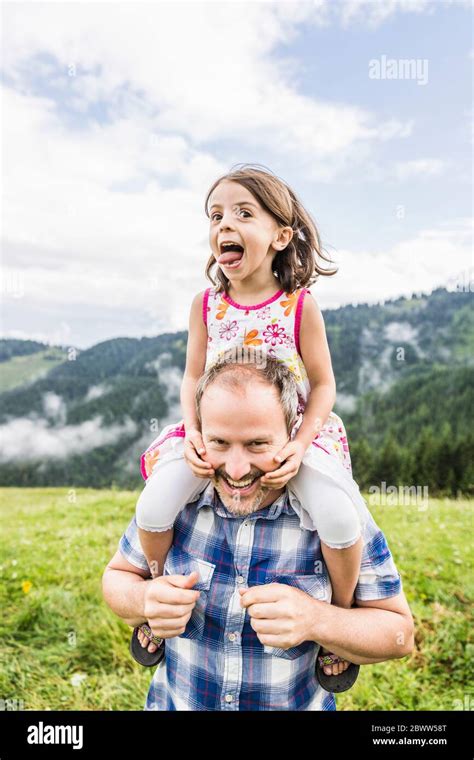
(258, 443)
(218, 441)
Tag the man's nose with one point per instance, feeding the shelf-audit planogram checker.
(237, 466)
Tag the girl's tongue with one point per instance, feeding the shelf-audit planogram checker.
(230, 257)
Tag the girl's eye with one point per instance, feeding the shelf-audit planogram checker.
(244, 211)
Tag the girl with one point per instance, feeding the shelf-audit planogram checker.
(266, 250)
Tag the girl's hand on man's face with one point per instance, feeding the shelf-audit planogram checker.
(290, 455)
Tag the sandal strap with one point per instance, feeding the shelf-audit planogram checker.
(329, 659)
(145, 628)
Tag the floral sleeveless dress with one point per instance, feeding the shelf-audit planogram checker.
(273, 327)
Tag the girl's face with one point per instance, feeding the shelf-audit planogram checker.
(237, 217)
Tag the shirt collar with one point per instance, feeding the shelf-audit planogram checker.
(210, 498)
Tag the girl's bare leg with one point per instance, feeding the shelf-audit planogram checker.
(156, 546)
(343, 567)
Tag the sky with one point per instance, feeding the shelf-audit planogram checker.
(118, 117)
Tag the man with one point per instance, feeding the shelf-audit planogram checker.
(243, 605)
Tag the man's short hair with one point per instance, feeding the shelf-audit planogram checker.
(236, 375)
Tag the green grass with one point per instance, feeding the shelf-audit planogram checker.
(21, 370)
(61, 627)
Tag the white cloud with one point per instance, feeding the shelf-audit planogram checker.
(33, 439)
(428, 167)
(96, 391)
(414, 265)
(401, 331)
(54, 407)
(373, 13)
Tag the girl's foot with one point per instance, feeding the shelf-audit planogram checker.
(145, 648)
(145, 642)
(332, 668)
(334, 673)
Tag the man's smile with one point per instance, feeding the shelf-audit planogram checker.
(241, 487)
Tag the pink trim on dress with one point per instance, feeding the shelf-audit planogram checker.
(204, 306)
(256, 306)
(320, 447)
(298, 315)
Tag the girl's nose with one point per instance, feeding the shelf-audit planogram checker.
(225, 221)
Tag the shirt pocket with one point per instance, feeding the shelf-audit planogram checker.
(310, 584)
(179, 563)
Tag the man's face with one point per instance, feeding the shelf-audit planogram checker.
(242, 432)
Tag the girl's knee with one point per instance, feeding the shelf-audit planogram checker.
(338, 521)
(153, 512)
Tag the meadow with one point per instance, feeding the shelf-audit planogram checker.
(61, 648)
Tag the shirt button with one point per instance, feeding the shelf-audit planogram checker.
(232, 636)
(240, 579)
(229, 698)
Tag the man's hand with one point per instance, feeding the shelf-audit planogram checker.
(168, 603)
(194, 450)
(282, 616)
(291, 456)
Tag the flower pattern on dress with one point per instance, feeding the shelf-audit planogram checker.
(291, 302)
(264, 313)
(250, 339)
(274, 334)
(229, 330)
(222, 309)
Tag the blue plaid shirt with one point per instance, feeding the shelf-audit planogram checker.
(218, 663)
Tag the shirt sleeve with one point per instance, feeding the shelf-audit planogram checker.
(378, 577)
(130, 547)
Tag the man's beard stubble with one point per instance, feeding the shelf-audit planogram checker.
(237, 504)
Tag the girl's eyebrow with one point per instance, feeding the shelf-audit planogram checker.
(241, 203)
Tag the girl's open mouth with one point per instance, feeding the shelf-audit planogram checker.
(231, 256)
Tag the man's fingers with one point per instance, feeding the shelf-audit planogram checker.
(264, 611)
(168, 633)
(183, 581)
(159, 625)
(173, 611)
(267, 626)
(268, 592)
(173, 589)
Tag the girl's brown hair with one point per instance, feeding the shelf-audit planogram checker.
(296, 266)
